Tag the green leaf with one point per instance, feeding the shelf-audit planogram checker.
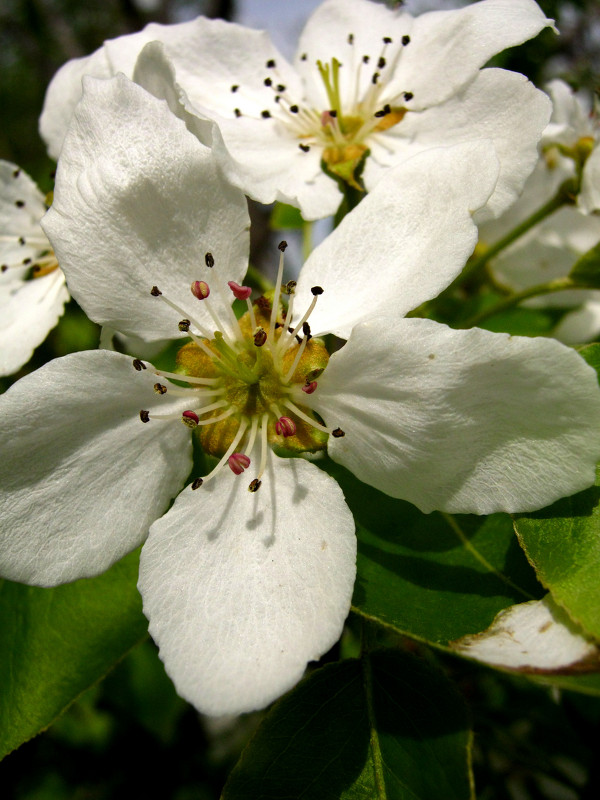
(55, 643)
(586, 270)
(284, 217)
(562, 542)
(387, 727)
(433, 577)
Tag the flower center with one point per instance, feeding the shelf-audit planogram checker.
(355, 116)
(249, 381)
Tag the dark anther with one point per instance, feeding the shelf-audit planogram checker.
(138, 364)
(53, 174)
(260, 337)
(155, 291)
(4, 267)
(254, 485)
(196, 484)
(184, 325)
(381, 62)
(375, 78)
(159, 388)
(26, 262)
(350, 38)
(298, 339)
(366, 59)
(306, 329)
(387, 40)
(237, 112)
(209, 260)
(304, 147)
(379, 114)
(270, 63)
(316, 290)
(280, 87)
(333, 113)
(265, 114)
(405, 40)
(408, 96)
(338, 433)
(145, 415)
(36, 268)
(21, 240)
(387, 108)
(235, 87)
(303, 57)
(294, 109)
(19, 203)
(268, 82)
(16, 173)
(290, 287)
(264, 303)
(282, 246)
(279, 325)
(277, 98)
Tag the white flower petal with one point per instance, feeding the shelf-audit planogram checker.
(495, 105)
(242, 590)
(21, 209)
(589, 199)
(581, 325)
(447, 48)
(462, 421)
(405, 242)
(139, 202)
(81, 477)
(537, 636)
(63, 94)
(28, 312)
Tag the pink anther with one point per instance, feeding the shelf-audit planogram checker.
(238, 462)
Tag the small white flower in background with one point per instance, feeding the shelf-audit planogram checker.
(32, 287)
(366, 79)
(242, 588)
(550, 249)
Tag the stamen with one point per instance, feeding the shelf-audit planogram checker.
(260, 337)
(263, 452)
(299, 413)
(155, 292)
(190, 418)
(310, 387)
(239, 292)
(197, 483)
(296, 361)
(160, 388)
(177, 377)
(285, 426)
(238, 462)
(231, 449)
(145, 415)
(200, 290)
(282, 246)
(138, 364)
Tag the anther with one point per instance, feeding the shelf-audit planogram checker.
(350, 38)
(184, 325)
(366, 59)
(285, 426)
(268, 82)
(304, 147)
(237, 112)
(209, 260)
(405, 40)
(303, 57)
(239, 292)
(381, 62)
(26, 262)
(280, 87)
(290, 287)
(408, 96)
(294, 109)
(190, 418)
(260, 337)
(254, 485)
(310, 387)
(145, 415)
(306, 330)
(160, 388)
(235, 87)
(155, 291)
(265, 114)
(197, 483)
(21, 240)
(270, 63)
(282, 246)
(4, 268)
(16, 173)
(316, 290)
(238, 462)
(387, 40)
(338, 433)
(19, 203)
(375, 78)
(200, 289)
(138, 364)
